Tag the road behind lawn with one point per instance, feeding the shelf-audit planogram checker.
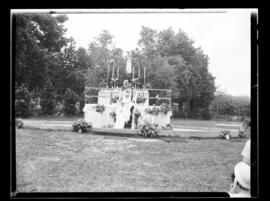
(63, 161)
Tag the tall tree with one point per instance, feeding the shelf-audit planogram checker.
(103, 56)
(186, 66)
(37, 38)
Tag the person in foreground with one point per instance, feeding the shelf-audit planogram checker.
(241, 183)
(246, 151)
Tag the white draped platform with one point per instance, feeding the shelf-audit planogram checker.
(122, 110)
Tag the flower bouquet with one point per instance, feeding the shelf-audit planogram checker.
(148, 130)
(225, 134)
(81, 126)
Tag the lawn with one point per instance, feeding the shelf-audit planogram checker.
(63, 161)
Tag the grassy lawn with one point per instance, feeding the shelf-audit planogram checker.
(62, 161)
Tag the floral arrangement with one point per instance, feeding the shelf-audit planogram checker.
(225, 134)
(115, 99)
(140, 99)
(100, 108)
(148, 130)
(81, 126)
(113, 115)
(19, 123)
(154, 111)
(165, 108)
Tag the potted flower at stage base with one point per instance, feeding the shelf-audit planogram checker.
(81, 126)
(225, 134)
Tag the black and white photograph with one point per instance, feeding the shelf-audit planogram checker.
(133, 100)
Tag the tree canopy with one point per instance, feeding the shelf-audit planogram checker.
(170, 60)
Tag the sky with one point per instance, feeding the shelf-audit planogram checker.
(223, 35)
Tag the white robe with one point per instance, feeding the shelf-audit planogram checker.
(123, 112)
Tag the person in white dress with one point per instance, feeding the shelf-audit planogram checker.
(123, 112)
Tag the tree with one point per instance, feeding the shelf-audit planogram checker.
(23, 107)
(37, 38)
(70, 99)
(187, 68)
(48, 98)
(102, 58)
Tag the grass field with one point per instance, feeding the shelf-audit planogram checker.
(63, 161)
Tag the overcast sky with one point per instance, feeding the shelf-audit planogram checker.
(223, 36)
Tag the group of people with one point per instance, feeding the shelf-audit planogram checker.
(241, 176)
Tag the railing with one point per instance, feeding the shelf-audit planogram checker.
(156, 96)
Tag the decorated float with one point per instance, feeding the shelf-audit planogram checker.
(127, 106)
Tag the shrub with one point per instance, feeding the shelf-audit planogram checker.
(81, 126)
(148, 130)
(19, 123)
(23, 106)
(224, 133)
(70, 99)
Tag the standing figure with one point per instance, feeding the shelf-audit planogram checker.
(123, 112)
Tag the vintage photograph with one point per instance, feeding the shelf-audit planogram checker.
(132, 100)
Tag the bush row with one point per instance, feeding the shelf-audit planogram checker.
(49, 103)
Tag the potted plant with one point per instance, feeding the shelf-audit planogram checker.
(225, 134)
(148, 130)
(19, 123)
(81, 126)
